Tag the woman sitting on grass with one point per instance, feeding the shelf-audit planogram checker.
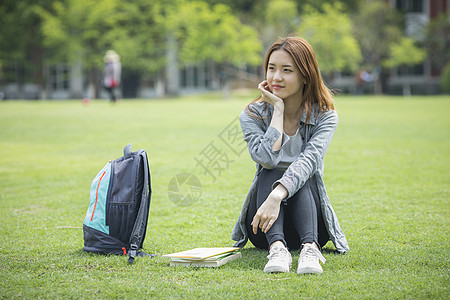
(288, 130)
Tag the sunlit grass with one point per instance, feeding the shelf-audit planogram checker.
(387, 174)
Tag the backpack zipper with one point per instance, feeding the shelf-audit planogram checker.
(96, 195)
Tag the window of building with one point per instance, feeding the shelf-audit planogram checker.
(410, 6)
(14, 72)
(405, 71)
(58, 77)
(195, 76)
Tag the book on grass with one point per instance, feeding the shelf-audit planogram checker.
(209, 262)
(204, 257)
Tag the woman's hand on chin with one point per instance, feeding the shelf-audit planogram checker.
(268, 96)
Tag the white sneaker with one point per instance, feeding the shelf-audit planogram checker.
(308, 262)
(280, 259)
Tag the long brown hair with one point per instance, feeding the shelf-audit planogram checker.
(315, 90)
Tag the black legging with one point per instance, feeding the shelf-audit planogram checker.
(112, 94)
(299, 221)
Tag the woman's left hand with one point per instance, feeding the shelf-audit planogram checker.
(268, 212)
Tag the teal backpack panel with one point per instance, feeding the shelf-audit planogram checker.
(96, 213)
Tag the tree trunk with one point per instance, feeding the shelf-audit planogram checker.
(378, 87)
(94, 84)
(37, 55)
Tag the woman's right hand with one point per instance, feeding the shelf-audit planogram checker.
(278, 111)
(268, 96)
(268, 212)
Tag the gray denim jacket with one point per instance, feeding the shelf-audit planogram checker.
(260, 137)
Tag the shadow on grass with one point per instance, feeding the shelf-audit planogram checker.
(331, 251)
(254, 258)
(79, 252)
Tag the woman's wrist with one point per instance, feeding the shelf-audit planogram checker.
(279, 192)
(279, 105)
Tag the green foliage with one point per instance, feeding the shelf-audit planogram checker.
(21, 38)
(445, 79)
(19, 28)
(348, 5)
(330, 35)
(280, 19)
(281, 11)
(386, 173)
(224, 31)
(213, 33)
(140, 34)
(437, 40)
(84, 30)
(404, 52)
(376, 26)
(78, 29)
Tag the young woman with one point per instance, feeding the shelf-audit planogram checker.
(288, 130)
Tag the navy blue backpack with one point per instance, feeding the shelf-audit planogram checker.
(116, 220)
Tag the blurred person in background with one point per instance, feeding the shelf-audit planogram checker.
(362, 78)
(112, 73)
(288, 130)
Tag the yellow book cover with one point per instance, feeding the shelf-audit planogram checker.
(208, 262)
(201, 253)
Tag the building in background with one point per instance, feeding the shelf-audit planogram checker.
(422, 78)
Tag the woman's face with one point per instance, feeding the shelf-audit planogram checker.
(283, 76)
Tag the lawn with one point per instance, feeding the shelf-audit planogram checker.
(387, 174)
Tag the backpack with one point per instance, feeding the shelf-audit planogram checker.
(116, 220)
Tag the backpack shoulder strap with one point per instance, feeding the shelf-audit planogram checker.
(137, 234)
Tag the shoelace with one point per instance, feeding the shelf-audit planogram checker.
(309, 253)
(277, 253)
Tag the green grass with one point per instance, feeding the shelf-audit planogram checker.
(387, 174)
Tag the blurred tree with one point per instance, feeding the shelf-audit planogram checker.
(213, 33)
(378, 29)
(445, 79)
(240, 6)
(437, 41)
(21, 40)
(140, 34)
(140, 38)
(347, 5)
(80, 30)
(83, 30)
(279, 20)
(376, 26)
(330, 34)
(404, 53)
